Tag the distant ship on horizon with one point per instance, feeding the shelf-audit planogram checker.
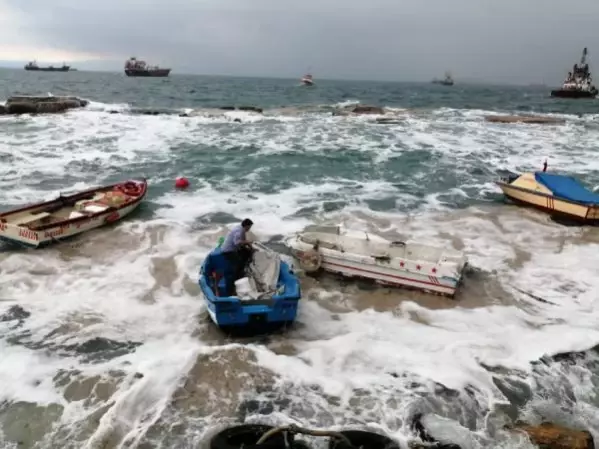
(136, 67)
(579, 82)
(447, 81)
(32, 66)
(307, 80)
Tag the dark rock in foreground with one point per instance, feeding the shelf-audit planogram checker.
(544, 436)
(15, 313)
(22, 104)
(553, 436)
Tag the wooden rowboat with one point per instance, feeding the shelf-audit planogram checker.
(66, 216)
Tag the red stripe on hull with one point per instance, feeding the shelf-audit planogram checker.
(437, 284)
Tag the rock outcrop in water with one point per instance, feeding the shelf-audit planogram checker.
(531, 119)
(207, 112)
(359, 110)
(544, 436)
(224, 108)
(41, 105)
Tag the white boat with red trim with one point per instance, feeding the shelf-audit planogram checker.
(39, 224)
(362, 254)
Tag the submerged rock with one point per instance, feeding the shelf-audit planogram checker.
(553, 436)
(15, 313)
(25, 424)
(250, 108)
(389, 121)
(359, 110)
(532, 119)
(368, 110)
(428, 441)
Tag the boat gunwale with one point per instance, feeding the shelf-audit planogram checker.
(215, 299)
(334, 262)
(444, 251)
(69, 221)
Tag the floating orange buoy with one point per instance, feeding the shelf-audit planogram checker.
(181, 183)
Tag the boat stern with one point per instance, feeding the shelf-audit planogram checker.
(451, 268)
(21, 235)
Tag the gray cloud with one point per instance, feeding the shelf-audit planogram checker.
(510, 41)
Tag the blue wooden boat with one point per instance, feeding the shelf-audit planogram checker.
(270, 303)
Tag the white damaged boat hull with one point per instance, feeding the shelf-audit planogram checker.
(442, 276)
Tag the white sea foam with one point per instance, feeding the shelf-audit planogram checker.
(118, 290)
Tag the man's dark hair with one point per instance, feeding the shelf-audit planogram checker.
(247, 222)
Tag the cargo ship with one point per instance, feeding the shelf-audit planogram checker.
(32, 66)
(447, 81)
(137, 67)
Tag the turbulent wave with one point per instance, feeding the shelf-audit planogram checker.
(106, 341)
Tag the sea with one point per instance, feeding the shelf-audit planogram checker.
(105, 340)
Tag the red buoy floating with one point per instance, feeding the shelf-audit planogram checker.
(181, 183)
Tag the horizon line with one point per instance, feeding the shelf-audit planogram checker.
(466, 81)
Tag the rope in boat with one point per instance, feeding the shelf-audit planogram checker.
(292, 428)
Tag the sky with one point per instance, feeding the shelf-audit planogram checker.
(508, 41)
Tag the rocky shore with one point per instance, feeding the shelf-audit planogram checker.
(23, 104)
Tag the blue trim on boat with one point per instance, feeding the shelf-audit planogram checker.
(567, 187)
(231, 312)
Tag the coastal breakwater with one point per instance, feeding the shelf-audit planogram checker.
(31, 104)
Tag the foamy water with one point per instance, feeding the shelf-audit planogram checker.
(355, 357)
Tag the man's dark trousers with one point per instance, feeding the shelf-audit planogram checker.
(238, 260)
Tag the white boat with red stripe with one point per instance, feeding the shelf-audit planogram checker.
(362, 254)
(40, 224)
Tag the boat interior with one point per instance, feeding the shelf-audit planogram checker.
(527, 181)
(67, 208)
(363, 243)
(264, 272)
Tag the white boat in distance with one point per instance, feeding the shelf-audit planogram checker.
(307, 80)
(362, 254)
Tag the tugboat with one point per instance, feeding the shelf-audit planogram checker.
(33, 66)
(447, 81)
(135, 67)
(307, 80)
(578, 83)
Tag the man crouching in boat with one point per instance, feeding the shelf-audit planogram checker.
(238, 251)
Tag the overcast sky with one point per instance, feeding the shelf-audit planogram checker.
(515, 41)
